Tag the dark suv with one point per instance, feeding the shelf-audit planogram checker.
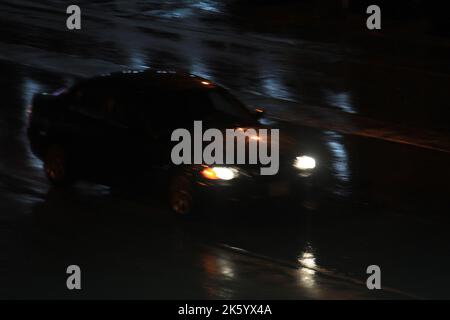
(116, 129)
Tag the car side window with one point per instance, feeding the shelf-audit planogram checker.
(155, 110)
(225, 103)
(197, 106)
(120, 108)
(90, 99)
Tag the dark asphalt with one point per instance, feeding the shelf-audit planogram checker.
(386, 201)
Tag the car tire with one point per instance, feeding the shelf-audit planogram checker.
(181, 195)
(57, 166)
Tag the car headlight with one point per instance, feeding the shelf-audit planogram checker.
(219, 173)
(305, 163)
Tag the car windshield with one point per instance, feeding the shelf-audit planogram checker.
(226, 103)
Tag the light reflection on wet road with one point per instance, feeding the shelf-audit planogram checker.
(383, 204)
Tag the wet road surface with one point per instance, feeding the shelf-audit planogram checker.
(386, 201)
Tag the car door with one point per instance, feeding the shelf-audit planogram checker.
(148, 131)
(90, 131)
(127, 141)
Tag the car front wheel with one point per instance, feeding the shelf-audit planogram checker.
(181, 195)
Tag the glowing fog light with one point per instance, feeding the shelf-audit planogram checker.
(305, 163)
(219, 173)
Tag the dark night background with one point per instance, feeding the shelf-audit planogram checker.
(378, 100)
